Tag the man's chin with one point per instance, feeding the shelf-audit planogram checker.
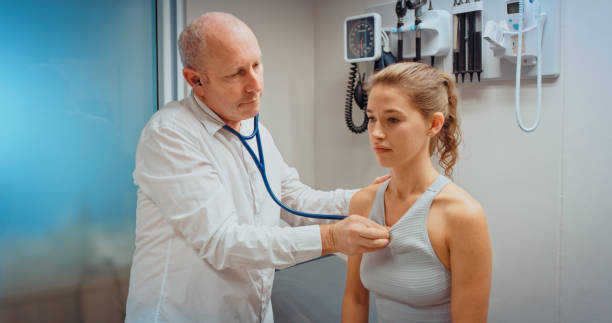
(251, 106)
(249, 110)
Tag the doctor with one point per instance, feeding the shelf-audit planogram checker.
(207, 234)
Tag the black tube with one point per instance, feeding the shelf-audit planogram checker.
(478, 45)
(471, 43)
(348, 103)
(456, 45)
(455, 63)
(462, 53)
(400, 47)
(417, 47)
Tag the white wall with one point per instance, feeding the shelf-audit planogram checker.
(586, 283)
(544, 192)
(285, 31)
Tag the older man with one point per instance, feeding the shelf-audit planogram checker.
(208, 237)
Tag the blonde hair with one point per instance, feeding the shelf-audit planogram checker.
(430, 91)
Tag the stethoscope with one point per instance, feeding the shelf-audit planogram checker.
(261, 166)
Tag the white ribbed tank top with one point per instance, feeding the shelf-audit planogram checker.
(407, 278)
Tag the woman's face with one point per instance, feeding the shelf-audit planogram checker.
(398, 131)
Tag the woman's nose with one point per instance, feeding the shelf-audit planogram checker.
(375, 130)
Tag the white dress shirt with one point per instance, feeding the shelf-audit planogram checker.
(208, 236)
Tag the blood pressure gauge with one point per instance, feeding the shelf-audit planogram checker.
(362, 40)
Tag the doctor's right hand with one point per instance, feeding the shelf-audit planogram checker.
(353, 235)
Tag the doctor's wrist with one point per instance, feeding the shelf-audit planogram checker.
(328, 238)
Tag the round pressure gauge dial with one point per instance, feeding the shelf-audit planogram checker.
(362, 38)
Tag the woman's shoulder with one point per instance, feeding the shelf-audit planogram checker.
(465, 224)
(459, 206)
(362, 200)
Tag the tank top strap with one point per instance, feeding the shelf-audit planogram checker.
(377, 212)
(423, 204)
(439, 184)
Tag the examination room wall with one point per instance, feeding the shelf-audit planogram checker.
(284, 29)
(544, 192)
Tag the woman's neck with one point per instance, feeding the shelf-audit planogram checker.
(412, 178)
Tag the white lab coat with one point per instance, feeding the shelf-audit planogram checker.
(207, 233)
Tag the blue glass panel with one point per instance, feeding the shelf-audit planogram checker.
(78, 83)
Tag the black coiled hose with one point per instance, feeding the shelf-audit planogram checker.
(360, 96)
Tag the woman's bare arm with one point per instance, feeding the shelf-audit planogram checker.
(356, 301)
(470, 258)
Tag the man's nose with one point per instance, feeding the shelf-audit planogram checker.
(255, 81)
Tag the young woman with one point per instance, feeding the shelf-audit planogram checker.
(437, 266)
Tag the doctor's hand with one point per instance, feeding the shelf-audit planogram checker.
(381, 179)
(353, 235)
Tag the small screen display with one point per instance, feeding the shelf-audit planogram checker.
(513, 8)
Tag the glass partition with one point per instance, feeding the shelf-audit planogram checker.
(79, 83)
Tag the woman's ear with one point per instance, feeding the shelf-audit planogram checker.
(435, 124)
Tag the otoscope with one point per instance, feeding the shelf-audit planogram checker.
(400, 10)
(416, 6)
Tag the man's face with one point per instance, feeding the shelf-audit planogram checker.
(232, 76)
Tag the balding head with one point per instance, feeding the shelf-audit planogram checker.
(222, 63)
(211, 30)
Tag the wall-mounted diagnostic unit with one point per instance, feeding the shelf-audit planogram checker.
(523, 38)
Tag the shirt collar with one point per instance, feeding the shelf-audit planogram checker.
(211, 121)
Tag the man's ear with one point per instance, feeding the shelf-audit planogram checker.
(192, 77)
(435, 124)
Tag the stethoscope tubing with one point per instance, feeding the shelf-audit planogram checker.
(261, 166)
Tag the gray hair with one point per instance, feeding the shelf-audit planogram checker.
(192, 41)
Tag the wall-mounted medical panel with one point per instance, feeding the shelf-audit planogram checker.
(493, 66)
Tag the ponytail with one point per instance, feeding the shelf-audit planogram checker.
(446, 142)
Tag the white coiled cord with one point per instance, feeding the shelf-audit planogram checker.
(517, 104)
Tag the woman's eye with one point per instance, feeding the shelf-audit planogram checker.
(370, 119)
(393, 120)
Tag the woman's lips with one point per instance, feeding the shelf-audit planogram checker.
(381, 149)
